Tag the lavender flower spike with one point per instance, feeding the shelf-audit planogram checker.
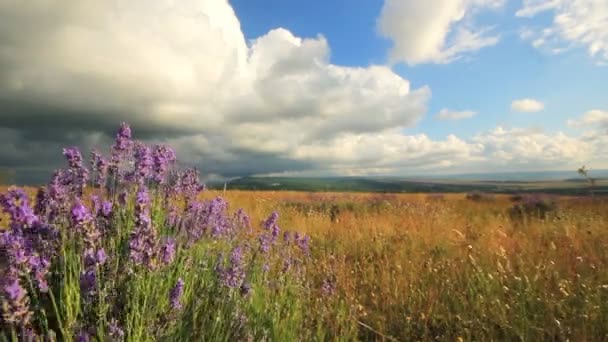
(176, 294)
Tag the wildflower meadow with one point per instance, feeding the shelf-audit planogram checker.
(128, 247)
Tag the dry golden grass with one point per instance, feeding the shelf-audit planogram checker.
(414, 266)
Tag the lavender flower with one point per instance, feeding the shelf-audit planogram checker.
(100, 166)
(72, 154)
(114, 330)
(242, 220)
(163, 157)
(80, 214)
(142, 243)
(16, 306)
(303, 243)
(88, 282)
(16, 204)
(176, 294)
(120, 149)
(168, 251)
(233, 276)
(77, 173)
(143, 162)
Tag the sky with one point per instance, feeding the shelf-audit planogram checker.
(309, 88)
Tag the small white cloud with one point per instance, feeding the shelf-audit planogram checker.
(446, 114)
(527, 105)
(592, 117)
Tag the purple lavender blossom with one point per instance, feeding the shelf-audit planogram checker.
(271, 221)
(265, 243)
(242, 220)
(163, 157)
(83, 336)
(176, 294)
(142, 243)
(114, 330)
(80, 214)
(88, 282)
(16, 204)
(72, 154)
(143, 162)
(189, 184)
(77, 173)
(40, 266)
(106, 209)
(120, 149)
(100, 166)
(168, 251)
(272, 224)
(233, 276)
(17, 311)
(303, 243)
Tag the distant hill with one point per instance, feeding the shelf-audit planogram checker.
(403, 185)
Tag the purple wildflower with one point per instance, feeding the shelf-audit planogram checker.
(233, 276)
(77, 173)
(143, 238)
(100, 166)
(168, 251)
(303, 243)
(83, 336)
(143, 162)
(16, 308)
(176, 294)
(242, 219)
(265, 243)
(72, 154)
(106, 209)
(163, 157)
(120, 149)
(88, 282)
(114, 330)
(271, 221)
(80, 214)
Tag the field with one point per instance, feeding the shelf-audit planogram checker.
(422, 267)
(145, 253)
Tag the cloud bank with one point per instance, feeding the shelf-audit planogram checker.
(182, 73)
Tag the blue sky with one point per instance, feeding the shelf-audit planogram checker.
(334, 87)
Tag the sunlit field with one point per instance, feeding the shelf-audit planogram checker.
(130, 249)
(425, 267)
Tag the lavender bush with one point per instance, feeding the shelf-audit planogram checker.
(125, 250)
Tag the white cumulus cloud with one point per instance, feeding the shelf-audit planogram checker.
(575, 23)
(435, 31)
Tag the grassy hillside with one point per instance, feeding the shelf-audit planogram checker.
(571, 186)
